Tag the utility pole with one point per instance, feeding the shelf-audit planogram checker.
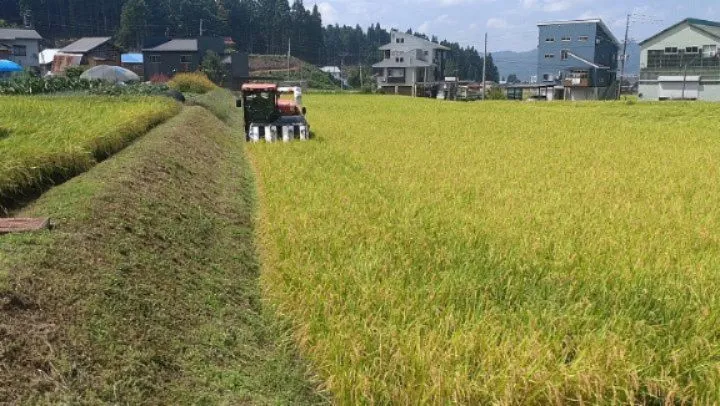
(484, 67)
(201, 27)
(288, 61)
(624, 57)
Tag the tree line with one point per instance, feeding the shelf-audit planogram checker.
(257, 26)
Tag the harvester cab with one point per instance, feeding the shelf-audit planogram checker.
(268, 117)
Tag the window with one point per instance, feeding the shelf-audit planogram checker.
(426, 53)
(387, 54)
(402, 40)
(564, 55)
(709, 51)
(583, 38)
(185, 58)
(549, 56)
(692, 50)
(671, 50)
(19, 50)
(549, 39)
(154, 58)
(396, 72)
(566, 39)
(402, 59)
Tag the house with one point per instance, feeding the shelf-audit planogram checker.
(133, 62)
(179, 55)
(681, 62)
(333, 71)
(93, 51)
(20, 46)
(578, 59)
(411, 65)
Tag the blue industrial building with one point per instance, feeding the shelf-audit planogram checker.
(578, 59)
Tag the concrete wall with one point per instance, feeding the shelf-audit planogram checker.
(707, 91)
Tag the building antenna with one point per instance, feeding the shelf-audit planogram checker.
(624, 57)
(484, 67)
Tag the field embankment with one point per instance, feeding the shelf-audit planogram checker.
(146, 291)
(46, 140)
(499, 253)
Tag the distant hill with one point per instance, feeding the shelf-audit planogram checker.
(524, 64)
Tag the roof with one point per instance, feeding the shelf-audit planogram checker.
(16, 33)
(585, 21)
(86, 44)
(176, 45)
(259, 86)
(678, 78)
(131, 58)
(330, 69)
(389, 63)
(711, 28)
(393, 45)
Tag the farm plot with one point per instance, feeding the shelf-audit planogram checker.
(45, 140)
(512, 253)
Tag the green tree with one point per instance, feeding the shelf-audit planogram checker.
(133, 23)
(214, 68)
(512, 78)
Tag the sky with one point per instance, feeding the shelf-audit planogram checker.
(511, 24)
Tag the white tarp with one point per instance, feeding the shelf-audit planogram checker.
(678, 87)
(47, 56)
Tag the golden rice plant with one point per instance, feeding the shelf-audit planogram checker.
(48, 139)
(430, 252)
(195, 82)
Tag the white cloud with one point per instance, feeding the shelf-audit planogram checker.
(328, 12)
(497, 23)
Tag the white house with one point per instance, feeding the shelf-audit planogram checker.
(682, 62)
(334, 71)
(20, 46)
(410, 64)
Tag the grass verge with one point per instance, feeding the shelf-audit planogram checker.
(48, 140)
(146, 292)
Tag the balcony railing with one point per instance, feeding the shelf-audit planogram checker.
(396, 79)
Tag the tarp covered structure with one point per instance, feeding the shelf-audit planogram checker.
(112, 74)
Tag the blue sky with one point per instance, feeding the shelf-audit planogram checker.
(511, 24)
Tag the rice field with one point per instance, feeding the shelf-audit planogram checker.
(498, 253)
(44, 140)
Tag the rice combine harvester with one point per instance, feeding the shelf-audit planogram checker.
(270, 118)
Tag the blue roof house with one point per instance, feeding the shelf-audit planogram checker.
(579, 58)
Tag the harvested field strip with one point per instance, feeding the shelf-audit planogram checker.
(146, 292)
(499, 253)
(46, 140)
